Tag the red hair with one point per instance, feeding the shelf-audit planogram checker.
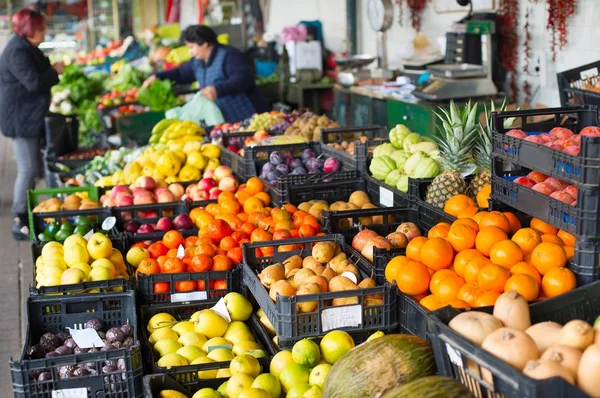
(27, 21)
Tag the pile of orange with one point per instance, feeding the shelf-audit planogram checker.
(470, 262)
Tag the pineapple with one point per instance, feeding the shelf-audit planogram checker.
(456, 138)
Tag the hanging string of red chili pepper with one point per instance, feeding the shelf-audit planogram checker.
(558, 12)
(416, 8)
(508, 19)
(527, 47)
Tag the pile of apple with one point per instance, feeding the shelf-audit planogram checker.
(180, 222)
(143, 192)
(550, 186)
(213, 182)
(559, 138)
(367, 240)
(79, 260)
(237, 144)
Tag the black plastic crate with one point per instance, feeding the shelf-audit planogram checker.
(150, 214)
(571, 85)
(577, 169)
(53, 314)
(385, 195)
(581, 220)
(330, 187)
(453, 351)
(291, 325)
(84, 288)
(147, 295)
(356, 161)
(431, 214)
(187, 375)
(238, 139)
(155, 383)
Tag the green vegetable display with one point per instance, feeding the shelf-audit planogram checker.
(127, 77)
(158, 96)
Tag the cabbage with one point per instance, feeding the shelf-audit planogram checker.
(410, 139)
(402, 184)
(413, 161)
(393, 178)
(400, 158)
(397, 135)
(426, 168)
(383, 150)
(423, 147)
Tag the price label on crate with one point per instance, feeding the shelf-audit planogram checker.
(341, 317)
(221, 309)
(70, 393)
(86, 338)
(109, 223)
(108, 121)
(454, 356)
(188, 296)
(386, 197)
(180, 252)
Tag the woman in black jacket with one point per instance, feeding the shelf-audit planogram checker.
(26, 77)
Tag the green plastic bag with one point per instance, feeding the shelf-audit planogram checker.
(199, 109)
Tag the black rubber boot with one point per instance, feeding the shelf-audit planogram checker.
(20, 227)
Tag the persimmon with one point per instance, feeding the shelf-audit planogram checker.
(527, 239)
(558, 281)
(523, 284)
(217, 230)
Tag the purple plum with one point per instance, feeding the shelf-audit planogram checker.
(276, 158)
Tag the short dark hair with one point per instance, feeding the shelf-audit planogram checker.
(199, 34)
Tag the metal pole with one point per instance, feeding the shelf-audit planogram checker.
(351, 27)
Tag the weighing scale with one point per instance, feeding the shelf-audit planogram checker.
(450, 81)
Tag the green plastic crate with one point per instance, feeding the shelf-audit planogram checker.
(138, 128)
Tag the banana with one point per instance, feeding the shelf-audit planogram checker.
(161, 126)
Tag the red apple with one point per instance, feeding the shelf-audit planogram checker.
(139, 191)
(222, 172)
(214, 193)
(208, 173)
(199, 194)
(147, 214)
(145, 229)
(260, 135)
(572, 150)
(516, 133)
(124, 199)
(557, 184)
(165, 197)
(177, 190)
(144, 198)
(535, 139)
(572, 190)
(562, 196)
(164, 224)
(547, 137)
(183, 221)
(544, 188)
(561, 132)
(590, 131)
(524, 181)
(537, 176)
(229, 183)
(146, 182)
(103, 198)
(108, 202)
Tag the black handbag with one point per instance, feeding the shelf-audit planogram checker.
(62, 134)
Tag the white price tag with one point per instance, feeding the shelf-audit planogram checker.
(341, 317)
(214, 347)
(180, 252)
(350, 276)
(88, 235)
(454, 356)
(70, 393)
(108, 121)
(386, 197)
(109, 223)
(189, 296)
(221, 309)
(86, 338)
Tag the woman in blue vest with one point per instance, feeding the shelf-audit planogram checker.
(223, 72)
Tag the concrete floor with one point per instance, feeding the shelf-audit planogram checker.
(16, 267)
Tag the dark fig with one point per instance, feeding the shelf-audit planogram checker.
(307, 154)
(93, 349)
(36, 352)
(48, 339)
(63, 350)
(268, 167)
(93, 372)
(80, 372)
(283, 168)
(88, 365)
(62, 337)
(295, 163)
(114, 334)
(107, 347)
(298, 171)
(127, 330)
(94, 324)
(70, 343)
(45, 376)
(287, 159)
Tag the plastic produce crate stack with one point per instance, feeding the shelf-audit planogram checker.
(514, 157)
(575, 86)
(487, 375)
(55, 314)
(155, 383)
(361, 137)
(233, 142)
(290, 323)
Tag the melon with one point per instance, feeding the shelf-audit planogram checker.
(430, 387)
(379, 365)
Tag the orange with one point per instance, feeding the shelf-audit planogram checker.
(567, 238)
(306, 230)
(185, 286)
(431, 302)
(201, 263)
(195, 212)
(527, 239)
(290, 208)
(495, 219)
(247, 228)
(467, 212)
(149, 266)
(413, 249)
(515, 223)
(570, 251)
(312, 221)
(473, 267)
(437, 276)
(252, 205)
(264, 197)
(225, 196)
(213, 209)
(172, 253)
(235, 255)
(469, 292)
(161, 287)
(254, 185)
(392, 267)
(492, 277)
(461, 237)
(523, 284)
(457, 203)
(230, 206)
(527, 269)
(439, 231)
(437, 253)
(506, 253)
(467, 221)
(158, 249)
(478, 216)
(462, 259)
(172, 239)
(558, 281)
(227, 243)
(412, 278)
(161, 260)
(189, 241)
(205, 248)
(548, 255)
(242, 196)
(488, 237)
(553, 239)
(542, 227)
(459, 304)
(173, 265)
(221, 263)
(447, 289)
(483, 196)
(486, 299)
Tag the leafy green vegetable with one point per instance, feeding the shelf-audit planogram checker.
(158, 96)
(127, 77)
(89, 123)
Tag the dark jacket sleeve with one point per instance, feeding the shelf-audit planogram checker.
(183, 74)
(23, 67)
(239, 75)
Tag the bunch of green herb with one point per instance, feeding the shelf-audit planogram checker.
(158, 96)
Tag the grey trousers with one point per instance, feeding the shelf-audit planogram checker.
(27, 153)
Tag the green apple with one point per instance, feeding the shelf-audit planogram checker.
(171, 360)
(83, 267)
(162, 333)
(245, 364)
(101, 274)
(75, 240)
(216, 342)
(237, 383)
(238, 306)
(211, 324)
(99, 246)
(318, 375)
(191, 352)
(244, 346)
(221, 355)
(72, 276)
(183, 327)
(269, 383)
(253, 393)
(207, 393)
(75, 254)
(136, 255)
(166, 346)
(238, 331)
(104, 262)
(205, 374)
(280, 361)
(192, 338)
